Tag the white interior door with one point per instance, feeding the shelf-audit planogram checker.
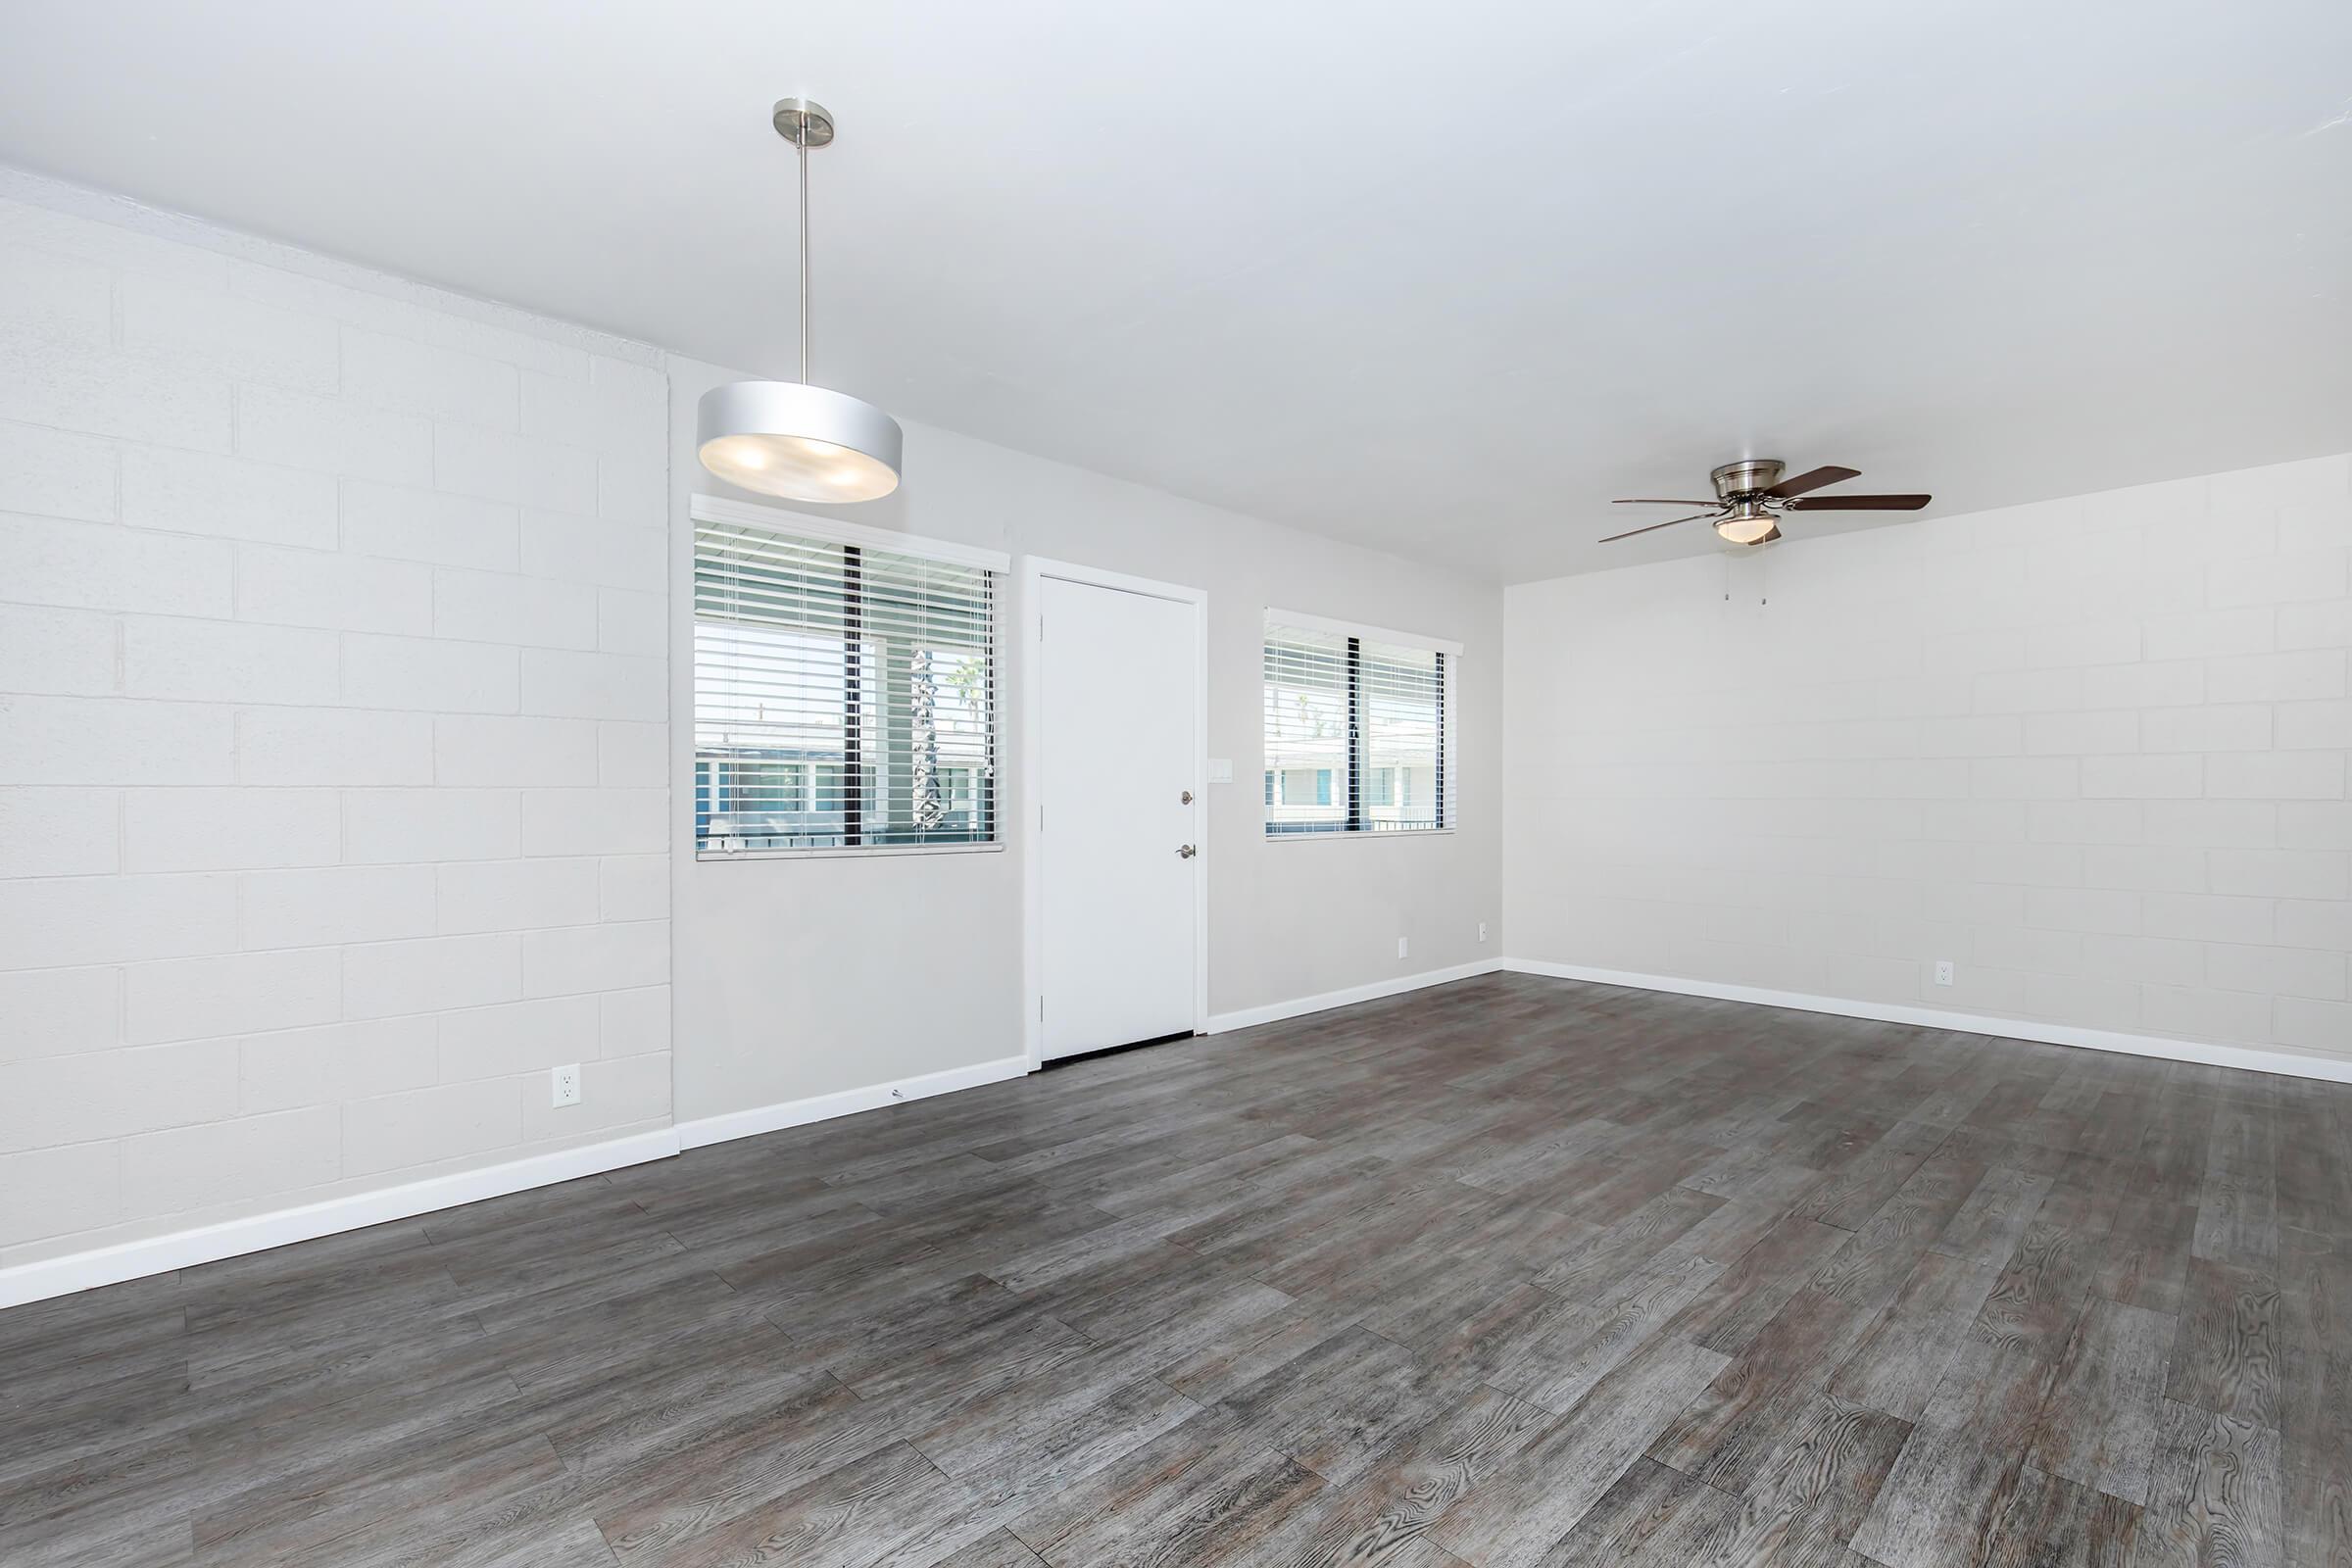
(1120, 762)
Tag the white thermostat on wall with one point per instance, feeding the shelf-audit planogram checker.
(1220, 771)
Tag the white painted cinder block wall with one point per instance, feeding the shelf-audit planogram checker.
(333, 702)
(2091, 751)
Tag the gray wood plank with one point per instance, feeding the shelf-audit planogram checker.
(1898, 1364)
(1647, 1502)
(2237, 1203)
(1813, 1491)
(2146, 1263)
(1383, 1518)
(2226, 1356)
(2215, 1493)
(1337, 1409)
(1940, 1501)
(1992, 1392)
(2097, 1426)
(1539, 1495)
(1736, 1304)
(2050, 1522)
(1987, 1228)
(1732, 1424)
(842, 1518)
(2315, 1397)
(1208, 1486)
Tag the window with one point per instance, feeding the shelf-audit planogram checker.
(843, 694)
(1358, 733)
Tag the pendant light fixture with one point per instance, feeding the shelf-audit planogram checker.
(789, 438)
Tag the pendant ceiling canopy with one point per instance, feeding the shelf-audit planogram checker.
(789, 438)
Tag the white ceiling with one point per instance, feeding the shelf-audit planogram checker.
(1438, 278)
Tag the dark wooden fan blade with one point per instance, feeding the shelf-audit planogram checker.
(1861, 504)
(1814, 480)
(1654, 527)
(1658, 501)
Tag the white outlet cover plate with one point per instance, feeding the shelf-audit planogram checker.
(1220, 771)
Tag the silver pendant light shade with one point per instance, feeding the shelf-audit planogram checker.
(802, 442)
(788, 438)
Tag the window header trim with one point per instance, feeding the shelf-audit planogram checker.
(783, 519)
(1356, 628)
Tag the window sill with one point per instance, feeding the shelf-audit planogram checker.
(857, 852)
(1349, 838)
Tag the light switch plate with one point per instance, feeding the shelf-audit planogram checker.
(1220, 771)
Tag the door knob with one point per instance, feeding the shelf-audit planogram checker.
(1186, 852)
(1186, 797)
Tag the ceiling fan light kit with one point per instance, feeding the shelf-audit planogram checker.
(1747, 523)
(791, 439)
(1751, 497)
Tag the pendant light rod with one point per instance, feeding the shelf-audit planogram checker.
(802, 141)
(807, 126)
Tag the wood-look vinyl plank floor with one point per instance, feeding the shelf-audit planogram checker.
(1510, 1272)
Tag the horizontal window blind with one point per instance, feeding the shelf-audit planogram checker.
(1403, 753)
(844, 695)
(1307, 730)
(1357, 733)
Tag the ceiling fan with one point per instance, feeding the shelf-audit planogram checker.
(1750, 495)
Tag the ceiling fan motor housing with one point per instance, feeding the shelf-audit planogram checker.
(1746, 476)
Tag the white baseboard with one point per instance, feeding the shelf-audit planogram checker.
(848, 1101)
(206, 1244)
(2249, 1059)
(156, 1255)
(1276, 1011)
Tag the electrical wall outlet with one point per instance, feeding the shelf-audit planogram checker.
(563, 1084)
(1944, 971)
(1482, 930)
(1401, 948)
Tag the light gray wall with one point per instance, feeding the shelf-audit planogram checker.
(2092, 750)
(789, 982)
(332, 732)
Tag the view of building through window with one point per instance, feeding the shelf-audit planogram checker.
(844, 695)
(1356, 734)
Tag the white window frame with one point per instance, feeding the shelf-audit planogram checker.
(1446, 741)
(781, 519)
